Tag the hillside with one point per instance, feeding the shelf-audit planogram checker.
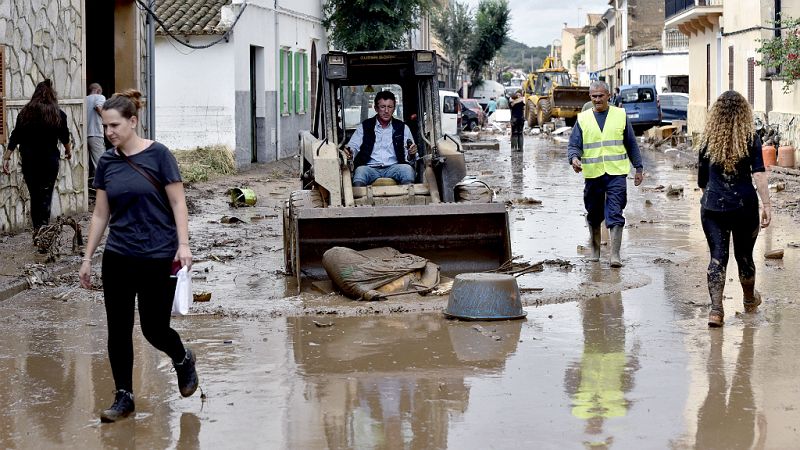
(516, 55)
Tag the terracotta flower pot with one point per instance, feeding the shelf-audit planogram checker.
(786, 156)
(770, 157)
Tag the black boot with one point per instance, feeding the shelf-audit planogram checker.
(123, 407)
(716, 287)
(187, 376)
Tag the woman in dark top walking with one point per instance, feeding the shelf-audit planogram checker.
(40, 126)
(730, 152)
(140, 198)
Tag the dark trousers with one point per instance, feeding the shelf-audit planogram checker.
(124, 278)
(719, 226)
(604, 198)
(40, 176)
(517, 125)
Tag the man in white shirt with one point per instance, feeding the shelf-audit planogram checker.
(94, 123)
(382, 146)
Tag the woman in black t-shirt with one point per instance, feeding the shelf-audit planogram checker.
(40, 126)
(140, 198)
(730, 152)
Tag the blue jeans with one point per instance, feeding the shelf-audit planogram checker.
(605, 197)
(366, 175)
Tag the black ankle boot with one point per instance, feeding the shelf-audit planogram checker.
(123, 407)
(187, 376)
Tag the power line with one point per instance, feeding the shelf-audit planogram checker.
(224, 36)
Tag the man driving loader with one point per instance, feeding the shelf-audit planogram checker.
(382, 146)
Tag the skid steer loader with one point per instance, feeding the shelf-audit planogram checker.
(428, 218)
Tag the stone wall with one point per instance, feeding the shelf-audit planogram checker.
(44, 39)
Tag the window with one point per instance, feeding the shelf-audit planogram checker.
(751, 63)
(611, 35)
(300, 82)
(358, 101)
(286, 80)
(449, 106)
(641, 95)
(730, 68)
(647, 79)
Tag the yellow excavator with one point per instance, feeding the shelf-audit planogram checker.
(550, 92)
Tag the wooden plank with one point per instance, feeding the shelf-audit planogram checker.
(3, 136)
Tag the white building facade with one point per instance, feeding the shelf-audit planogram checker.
(251, 88)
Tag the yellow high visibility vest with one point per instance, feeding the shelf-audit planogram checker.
(603, 151)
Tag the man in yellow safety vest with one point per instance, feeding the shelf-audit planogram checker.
(603, 147)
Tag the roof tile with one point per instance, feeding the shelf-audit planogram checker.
(191, 17)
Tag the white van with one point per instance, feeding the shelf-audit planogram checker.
(450, 107)
(488, 89)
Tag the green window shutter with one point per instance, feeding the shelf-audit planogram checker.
(305, 78)
(282, 85)
(289, 97)
(297, 75)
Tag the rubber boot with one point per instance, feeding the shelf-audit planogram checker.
(594, 239)
(616, 242)
(751, 298)
(716, 286)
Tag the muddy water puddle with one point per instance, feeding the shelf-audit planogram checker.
(606, 358)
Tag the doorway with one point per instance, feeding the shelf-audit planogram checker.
(100, 67)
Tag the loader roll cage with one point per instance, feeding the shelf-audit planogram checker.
(365, 74)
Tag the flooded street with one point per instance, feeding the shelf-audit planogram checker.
(607, 358)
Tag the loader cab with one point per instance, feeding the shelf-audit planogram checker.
(546, 80)
(350, 81)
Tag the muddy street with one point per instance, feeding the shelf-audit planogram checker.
(606, 358)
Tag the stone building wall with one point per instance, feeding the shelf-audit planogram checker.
(44, 39)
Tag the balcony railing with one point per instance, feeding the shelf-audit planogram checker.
(675, 40)
(675, 7)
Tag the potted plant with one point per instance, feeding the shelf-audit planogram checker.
(781, 55)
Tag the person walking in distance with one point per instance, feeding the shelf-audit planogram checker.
(730, 152)
(603, 147)
(140, 198)
(94, 123)
(40, 126)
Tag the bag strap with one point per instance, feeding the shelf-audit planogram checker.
(159, 187)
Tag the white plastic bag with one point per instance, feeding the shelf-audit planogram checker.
(183, 292)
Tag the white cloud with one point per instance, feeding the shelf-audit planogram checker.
(539, 22)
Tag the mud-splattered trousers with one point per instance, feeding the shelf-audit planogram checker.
(718, 226)
(125, 277)
(605, 198)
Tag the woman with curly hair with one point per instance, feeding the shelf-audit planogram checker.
(39, 128)
(730, 152)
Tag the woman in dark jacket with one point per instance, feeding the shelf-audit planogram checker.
(40, 126)
(730, 152)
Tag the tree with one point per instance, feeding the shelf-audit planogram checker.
(490, 34)
(453, 27)
(781, 54)
(356, 25)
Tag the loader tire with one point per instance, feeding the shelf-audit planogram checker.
(297, 200)
(530, 114)
(545, 110)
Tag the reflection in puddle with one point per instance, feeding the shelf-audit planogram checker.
(395, 379)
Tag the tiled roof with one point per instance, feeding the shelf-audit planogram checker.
(185, 17)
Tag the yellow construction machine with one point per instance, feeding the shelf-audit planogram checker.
(550, 92)
(428, 218)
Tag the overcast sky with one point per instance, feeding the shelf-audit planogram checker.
(539, 22)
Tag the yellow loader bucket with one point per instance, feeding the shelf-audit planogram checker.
(459, 237)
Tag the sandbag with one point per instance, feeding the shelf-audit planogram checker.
(374, 273)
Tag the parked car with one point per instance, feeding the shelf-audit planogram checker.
(641, 104)
(674, 106)
(472, 115)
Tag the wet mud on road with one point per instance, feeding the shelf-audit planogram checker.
(606, 358)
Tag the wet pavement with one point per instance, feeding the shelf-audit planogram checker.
(605, 359)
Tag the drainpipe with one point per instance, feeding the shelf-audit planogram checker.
(278, 87)
(151, 74)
